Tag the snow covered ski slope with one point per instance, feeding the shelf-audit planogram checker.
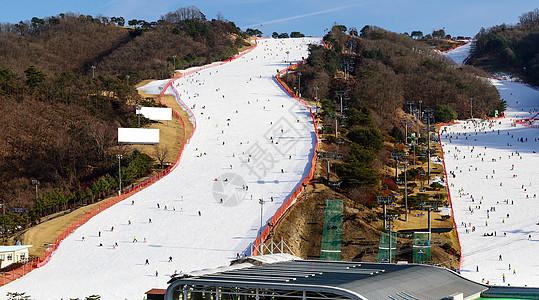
(493, 180)
(252, 141)
(460, 54)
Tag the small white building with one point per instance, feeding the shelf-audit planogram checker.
(13, 254)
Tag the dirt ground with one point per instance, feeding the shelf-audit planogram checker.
(170, 132)
(45, 233)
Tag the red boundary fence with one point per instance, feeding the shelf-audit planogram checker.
(453, 48)
(264, 234)
(448, 191)
(524, 122)
(10, 276)
(458, 46)
(447, 181)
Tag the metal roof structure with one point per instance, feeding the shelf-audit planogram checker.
(313, 279)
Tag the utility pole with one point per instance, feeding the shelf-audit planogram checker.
(36, 183)
(174, 62)
(261, 202)
(299, 84)
(316, 98)
(429, 114)
(4, 218)
(119, 156)
(471, 114)
(419, 116)
(93, 71)
(405, 194)
(327, 156)
(138, 108)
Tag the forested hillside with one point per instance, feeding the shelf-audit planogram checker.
(386, 70)
(510, 48)
(67, 83)
(378, 74)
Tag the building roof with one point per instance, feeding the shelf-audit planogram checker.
(349, 279)
(156, 292)
(13, 248)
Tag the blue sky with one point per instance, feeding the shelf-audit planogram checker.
(312, 17)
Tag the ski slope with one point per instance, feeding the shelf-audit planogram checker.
(494, 190)
(460, 54)
(252, 141)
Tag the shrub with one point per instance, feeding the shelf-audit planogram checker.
(446, 246)
(444, 113)
(436, 186)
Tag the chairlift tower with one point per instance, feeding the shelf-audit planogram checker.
(334, 115)
(327, 156)
(385, 200)
(429, 116)
(316, 98)
(390, 218)
(340, 94)
(429, 205)
(397, 156)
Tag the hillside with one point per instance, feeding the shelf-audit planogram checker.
(380, 75)
(67, 82)
(510, 48)
(385, 71)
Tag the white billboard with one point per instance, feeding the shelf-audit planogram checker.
(155, 113)
(138, 135)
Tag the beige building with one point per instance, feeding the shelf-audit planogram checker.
(13, 254)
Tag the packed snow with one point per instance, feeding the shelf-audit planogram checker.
(492, 176)
(459, 54)
(252, 141)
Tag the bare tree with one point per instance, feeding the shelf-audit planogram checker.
(184, 13)
(161, 154)
(101, 136)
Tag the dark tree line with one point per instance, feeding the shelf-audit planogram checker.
(385, 70)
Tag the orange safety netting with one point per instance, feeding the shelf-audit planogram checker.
(264, 234)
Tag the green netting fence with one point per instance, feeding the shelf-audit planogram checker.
(332, 233)
(421, 249)
(383, 249)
